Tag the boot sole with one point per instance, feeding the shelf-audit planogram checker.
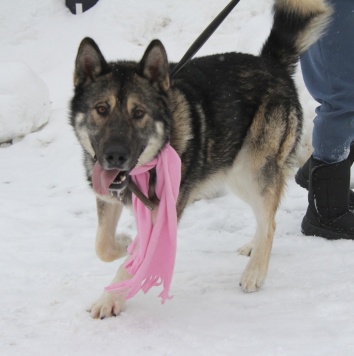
(311, 230)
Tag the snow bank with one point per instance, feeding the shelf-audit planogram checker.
(24, 101)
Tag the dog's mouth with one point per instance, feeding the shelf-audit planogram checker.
(120, 182)
(105, 181)
(110, 181)
(114, 182)
(120, 179)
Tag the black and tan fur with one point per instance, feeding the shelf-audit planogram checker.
(233, 118)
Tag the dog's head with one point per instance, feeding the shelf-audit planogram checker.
(120, 110)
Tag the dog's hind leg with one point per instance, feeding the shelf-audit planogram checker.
(262, 166)
(109, 247)
(262, 193)
(259, 249)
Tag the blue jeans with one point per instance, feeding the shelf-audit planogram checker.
(328, 72)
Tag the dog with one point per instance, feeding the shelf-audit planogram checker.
(234, 119)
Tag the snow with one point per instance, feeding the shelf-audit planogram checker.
(49, 273)
(24, 101)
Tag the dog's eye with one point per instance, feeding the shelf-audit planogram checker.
(138, 114)
(102, 110)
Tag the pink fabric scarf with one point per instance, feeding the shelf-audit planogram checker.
(153, 252)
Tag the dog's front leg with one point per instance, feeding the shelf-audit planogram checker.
(109, 247)
(110, 303)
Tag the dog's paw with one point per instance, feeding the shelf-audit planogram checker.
(109, 304)
(246, 250)
(253, 277)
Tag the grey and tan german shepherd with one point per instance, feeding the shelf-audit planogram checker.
(234, 119)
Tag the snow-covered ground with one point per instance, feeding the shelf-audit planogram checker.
(49, 273)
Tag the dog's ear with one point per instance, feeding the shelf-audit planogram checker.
(89, 64)
(154, 65)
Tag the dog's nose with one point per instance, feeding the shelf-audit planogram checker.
(116, 156)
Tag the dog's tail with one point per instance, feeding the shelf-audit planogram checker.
(297, 25)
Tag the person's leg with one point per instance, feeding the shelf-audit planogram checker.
(328, 73)
(329, 76)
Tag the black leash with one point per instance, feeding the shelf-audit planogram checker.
(198, 43)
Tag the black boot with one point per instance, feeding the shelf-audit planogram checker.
(328, 213)
(303, 173)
